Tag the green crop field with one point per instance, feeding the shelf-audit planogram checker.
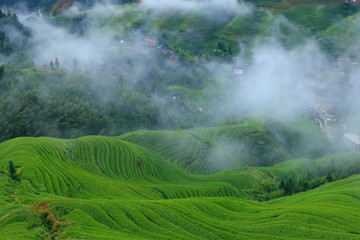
(108, 188)
(210, 170)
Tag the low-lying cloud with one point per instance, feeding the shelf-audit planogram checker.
(198, 6)
(278, 80)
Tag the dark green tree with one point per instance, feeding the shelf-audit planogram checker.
(2, 72)
(75, 64)
(329, 177)
(221, 46)
(12, 170)
(289, 186)
(230, 50)
(57, 64)
(51, 64)
(347, 9)
(282, 184)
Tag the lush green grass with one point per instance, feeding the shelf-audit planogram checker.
(344, 34)
(207, 150)
(107, 188)
(16, 220)
(262, 142)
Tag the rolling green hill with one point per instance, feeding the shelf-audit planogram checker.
(256, 143)
(239, 179)
(107, 188)
(344, 34)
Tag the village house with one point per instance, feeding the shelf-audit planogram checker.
(352, 141)
(323, 108)
(150, 42)
(176, 97)
(167, 53)
(199, 109)
(238, 72)
(173, 61)
(353, 2)
(346, 64)
(343, 60)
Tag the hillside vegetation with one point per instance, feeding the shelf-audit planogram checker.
(119, 121)
(254, 143)
(106, 188)
(70, 100)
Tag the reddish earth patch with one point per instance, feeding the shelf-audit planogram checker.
(51, 220)
(60, 6)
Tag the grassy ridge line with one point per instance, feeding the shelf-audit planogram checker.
(327, 212)
(82, 177)
(91, 167)
(215, 149)
(81, 171)
(85, 168)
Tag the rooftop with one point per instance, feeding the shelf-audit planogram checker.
(353, 138)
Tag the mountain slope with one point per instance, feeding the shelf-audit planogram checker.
(256, 143)
(107, 188)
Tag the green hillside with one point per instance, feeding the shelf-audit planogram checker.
(194, 160)
(257, 143)
(107, 188)
(344, 34)
(194, 35)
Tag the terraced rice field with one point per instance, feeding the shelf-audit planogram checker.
(215, 149)
(108, 188)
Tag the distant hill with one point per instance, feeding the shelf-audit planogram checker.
(344, 35)
(253, 143)
(194, 35)
(12, 46)
(53, 7)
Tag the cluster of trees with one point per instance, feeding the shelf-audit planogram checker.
(272, 188)
(347, 9)
(14, 38)
(48, 5)
(67, 104)
(31, 4)
(5, 20)
(292, 186)
(57, 64)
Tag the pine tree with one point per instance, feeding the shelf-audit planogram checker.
(329, 177)
(51, 64)
(221, 46)
(2, 72)
(75, 64)
(289, 187)
(12, 170)
(57, 64)
(230, 50)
